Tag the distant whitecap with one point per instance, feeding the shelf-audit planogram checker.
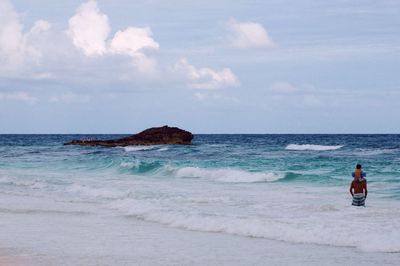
(312, 147)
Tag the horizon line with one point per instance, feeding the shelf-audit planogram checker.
(358, 133)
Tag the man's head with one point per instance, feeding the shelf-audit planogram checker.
(358, 166)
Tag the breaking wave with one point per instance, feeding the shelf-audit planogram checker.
(227, 175)
(145, 148)
(302, 229)
(312, 147)
(140, 148)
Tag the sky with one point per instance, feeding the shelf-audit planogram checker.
(216, 66)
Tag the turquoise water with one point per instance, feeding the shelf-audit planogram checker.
(329, 161)
(283, 187)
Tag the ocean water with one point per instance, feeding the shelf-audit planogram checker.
(290, 188)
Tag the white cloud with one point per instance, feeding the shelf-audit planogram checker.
(44, 53)
(89, 29)
(145, 64)
(40, 26)
(10, 33)
(248, 35)
(205, 78)
(283, 87)
(17, 48)
(132, 41)
(18, 96)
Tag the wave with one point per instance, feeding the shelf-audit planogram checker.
(373, 152)
(342, 228)
(313, 175)
(312, 147)
(41, 211)
(227, 175)
(140, 167)
(91, 192)
(145, 148)
(33, 184)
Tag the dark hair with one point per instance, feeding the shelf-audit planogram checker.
(358, 166)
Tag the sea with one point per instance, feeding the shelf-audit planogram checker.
(226, 199)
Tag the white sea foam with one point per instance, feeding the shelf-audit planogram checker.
(298, 214)
(131, 164)
(33, 183)
(91, 192)
(140, 148)
(372, 152)
(326, 225)
(227, 175)
(312, 147)
(201, 199)
(127, 164)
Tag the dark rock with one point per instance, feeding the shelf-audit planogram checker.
(151, 136)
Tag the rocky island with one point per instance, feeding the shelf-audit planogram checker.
(151, 136)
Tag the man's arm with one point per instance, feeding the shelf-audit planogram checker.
(351, 189)
(365, 188)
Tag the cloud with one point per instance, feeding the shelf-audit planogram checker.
(43, 53)
(10, 33)
(89, 29)
(245, 35)
(205, 78)
(132, 41)
(17, 48)
(305, 95)
(283, 87)
(40, 26)
(18, 96)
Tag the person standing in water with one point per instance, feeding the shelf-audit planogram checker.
(358, 188)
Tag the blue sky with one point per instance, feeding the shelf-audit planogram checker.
(206, 66)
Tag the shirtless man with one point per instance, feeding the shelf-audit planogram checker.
(358, 188)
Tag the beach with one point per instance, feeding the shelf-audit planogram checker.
(34, 238)
(224, 200)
